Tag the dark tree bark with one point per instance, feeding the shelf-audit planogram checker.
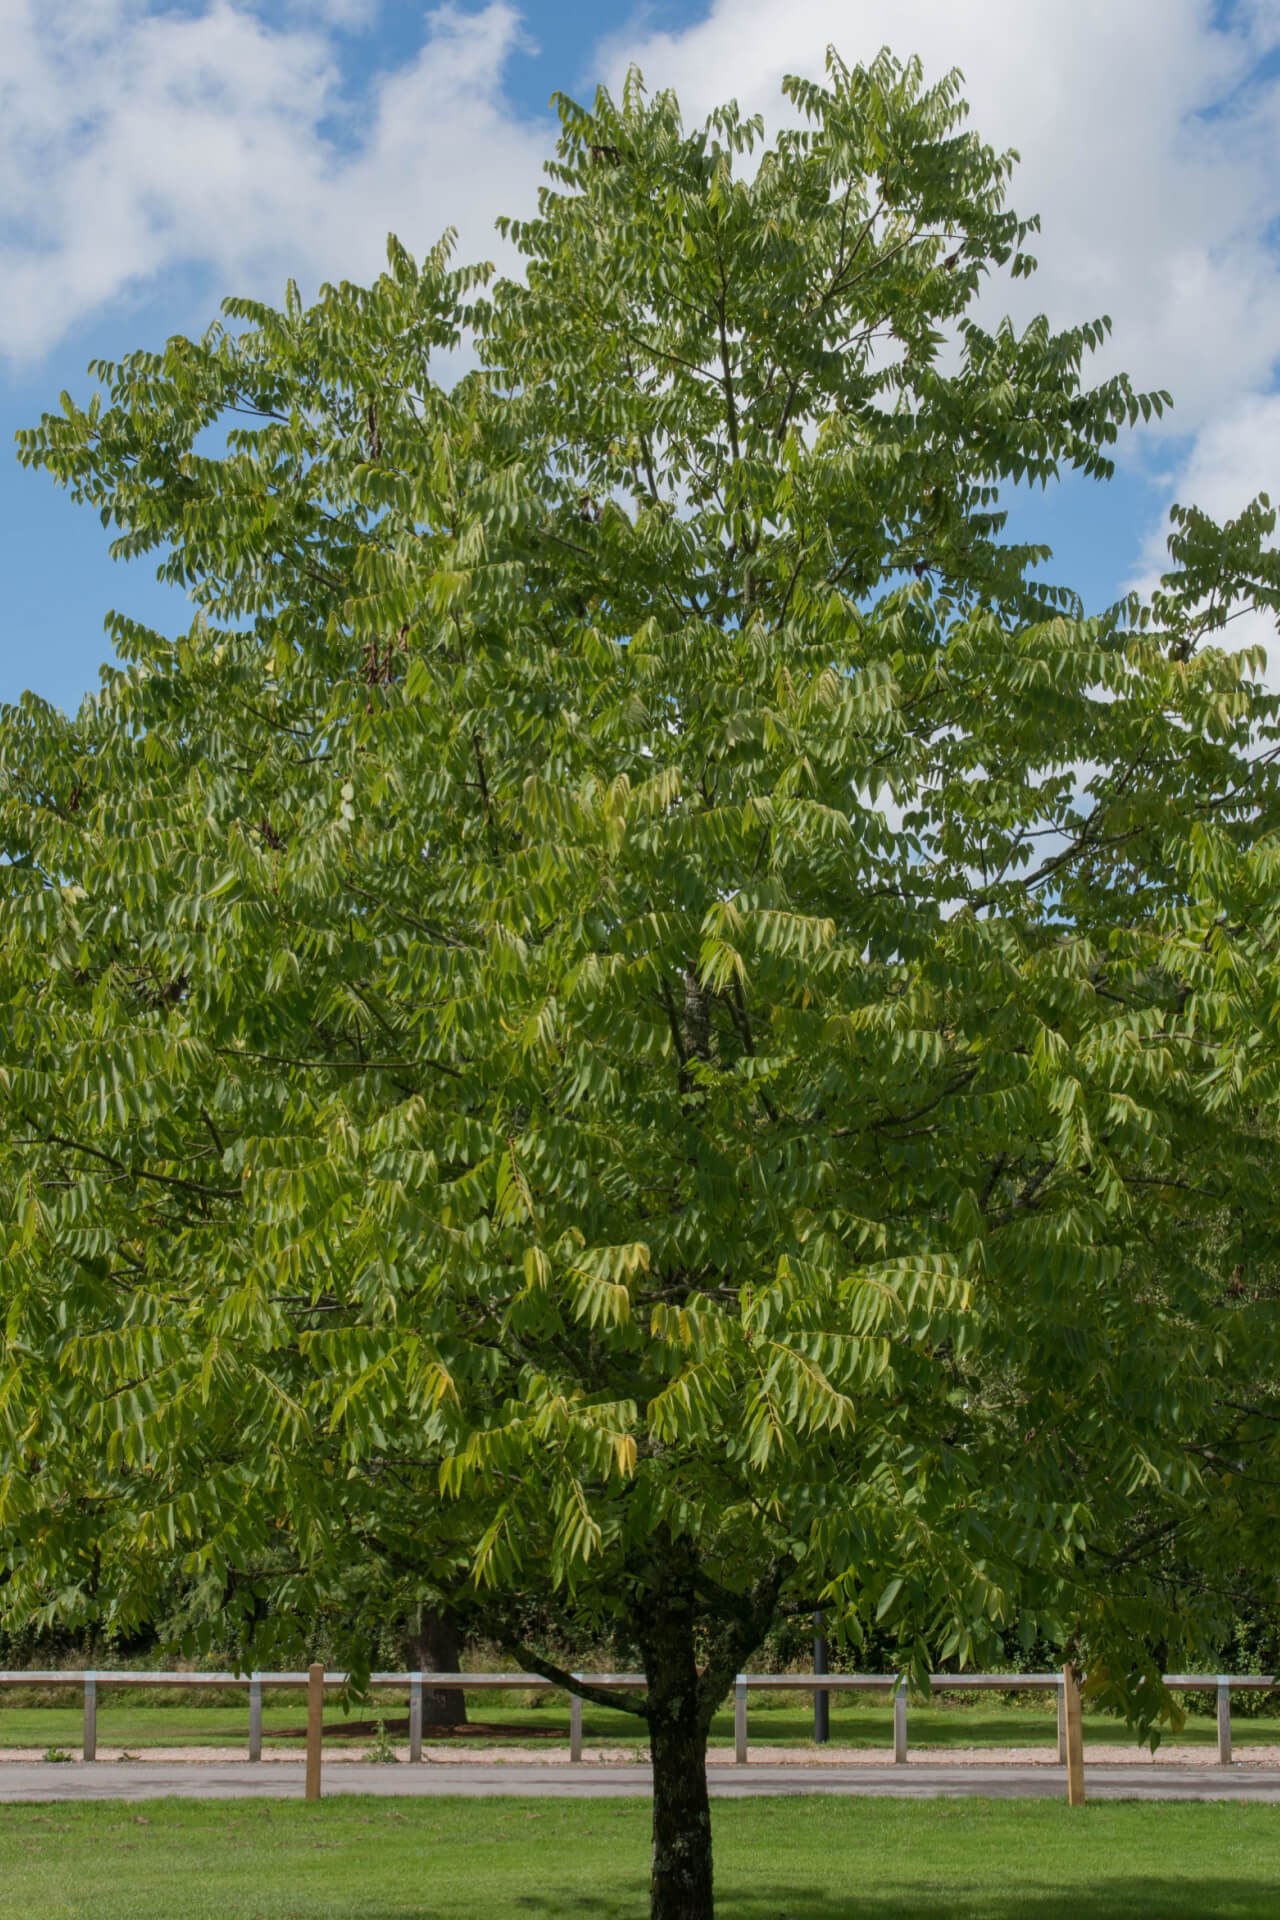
(679, 1612)
(684, 1610)
(681, 1887)
(431, 1644)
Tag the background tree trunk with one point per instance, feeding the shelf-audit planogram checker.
(431, 1644)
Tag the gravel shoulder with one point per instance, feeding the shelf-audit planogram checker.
(1252, 1759)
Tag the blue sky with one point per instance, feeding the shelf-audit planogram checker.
(157, 157)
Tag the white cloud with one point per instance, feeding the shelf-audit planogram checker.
(351, 14)
(1150, 212)
(1148, 147)
(137, 143)
(1233, 458)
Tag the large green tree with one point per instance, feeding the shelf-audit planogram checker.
(637, 1014)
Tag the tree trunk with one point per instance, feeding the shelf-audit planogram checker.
(681, 1887)
(681, 1884)
(431, 1645)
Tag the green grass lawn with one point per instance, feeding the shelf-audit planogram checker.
(136, 1719)
(777, 1859)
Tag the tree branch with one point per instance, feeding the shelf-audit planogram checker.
(599, 1696)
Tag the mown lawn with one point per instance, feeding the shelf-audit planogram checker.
(129, 1721)
(777, 1859)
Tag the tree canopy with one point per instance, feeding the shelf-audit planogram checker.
(638, 1010)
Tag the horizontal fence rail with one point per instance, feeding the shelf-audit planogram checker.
(1222, 1685)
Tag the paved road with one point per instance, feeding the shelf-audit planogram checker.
(238, 1780)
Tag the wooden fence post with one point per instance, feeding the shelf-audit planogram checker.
(415, 1716)
(315, 1726)
(1224, 1721)
(89, 1745)
(1075, 1736)
(1062, 1724)
(255, 1716)
(900, 1724)
(575, 1723)
(740, 1721)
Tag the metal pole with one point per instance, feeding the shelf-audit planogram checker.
(415, 1716)
(90, 1739)
(315, 1726)
(255, 1716)
(575, 1725)
(740, 1721)
(821, 1698)
(900, 1725)
(1224, 1721)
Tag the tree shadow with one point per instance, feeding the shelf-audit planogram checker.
(1137, 1897)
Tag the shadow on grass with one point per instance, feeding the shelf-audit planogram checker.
(814, 1858)
(1139, 1898)
(1121, 1899)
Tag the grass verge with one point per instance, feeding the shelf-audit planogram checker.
(787, 1724)
(777, 1859)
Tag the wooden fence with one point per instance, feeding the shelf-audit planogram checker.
(316, 1680)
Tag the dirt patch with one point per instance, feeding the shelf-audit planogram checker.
(1094, 1756)
(398, 1727)
(1246, 1758)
